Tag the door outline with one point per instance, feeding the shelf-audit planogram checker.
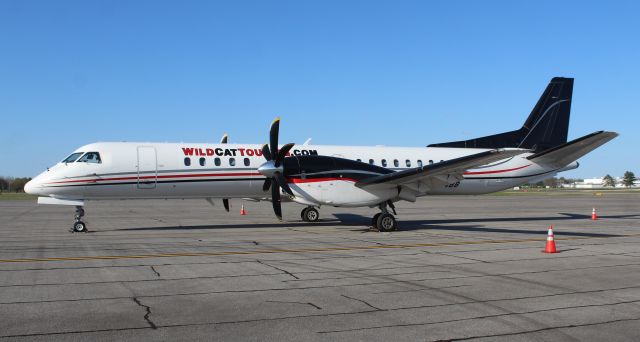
(149, 168)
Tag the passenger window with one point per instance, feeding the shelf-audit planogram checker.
(371, 161)
(202, 161)
(384, 162)
(247, 162)
(419, 163)
(217, 162)
(232, 161)
(72, 157)
(396, 163)
(187, 161)
(408, 162)
(90, 157)
(430, 161)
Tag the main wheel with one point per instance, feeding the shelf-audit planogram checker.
(79, 227)
(303, 214)
(310, 214)
(386, 223)
(374, 220)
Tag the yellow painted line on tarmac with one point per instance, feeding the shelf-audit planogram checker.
(272, 251)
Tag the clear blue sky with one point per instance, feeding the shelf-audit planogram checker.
(400, 73)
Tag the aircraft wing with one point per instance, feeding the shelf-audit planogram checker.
(566, 153)
(442, 171)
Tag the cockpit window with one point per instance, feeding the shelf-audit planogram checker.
(72, 157)
(90, 157)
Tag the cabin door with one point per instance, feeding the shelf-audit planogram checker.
(147, 167)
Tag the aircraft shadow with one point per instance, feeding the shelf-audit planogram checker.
(407, 225)
(292, 224)
(354, 220)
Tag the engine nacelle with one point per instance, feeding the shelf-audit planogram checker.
(322, 180)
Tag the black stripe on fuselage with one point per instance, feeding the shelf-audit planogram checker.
(161, 182)
(134, 173)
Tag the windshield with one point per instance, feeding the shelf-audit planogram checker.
(90, 157)
(72, 157)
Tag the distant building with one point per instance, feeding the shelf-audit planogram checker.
(597, 183)
(589, 183)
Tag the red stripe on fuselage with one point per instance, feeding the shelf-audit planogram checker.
(163, 177)
(494, 171)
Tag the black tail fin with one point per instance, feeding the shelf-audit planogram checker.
(546, 126)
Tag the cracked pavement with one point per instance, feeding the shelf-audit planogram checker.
(460, 268)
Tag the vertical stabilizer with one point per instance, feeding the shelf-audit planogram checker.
(546, 127)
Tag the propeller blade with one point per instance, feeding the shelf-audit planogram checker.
(283, 183)
(273, 137)
(266, 185)
(225, 202)
(275, 201)
(210, 201)
(224, 139)
(283, 153)
(265, 152)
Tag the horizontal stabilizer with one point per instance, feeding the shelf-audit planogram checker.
(454, 167)
(567, 153)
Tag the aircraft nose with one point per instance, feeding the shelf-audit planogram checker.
(31, 187)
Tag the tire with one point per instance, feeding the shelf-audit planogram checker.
(79, 227)
(386, 223)
(374, 220)
(311, 214)
(303, 214)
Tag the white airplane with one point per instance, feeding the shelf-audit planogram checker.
(339, 176)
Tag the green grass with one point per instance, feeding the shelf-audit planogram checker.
(560, 192)
(16, 196)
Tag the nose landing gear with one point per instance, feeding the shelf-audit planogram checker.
(78, 225)
(310, 214)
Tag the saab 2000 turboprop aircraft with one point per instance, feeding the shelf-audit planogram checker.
(340, 176)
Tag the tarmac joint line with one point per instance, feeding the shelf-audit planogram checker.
(300, 250)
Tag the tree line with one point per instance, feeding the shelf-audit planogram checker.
(11, 184)
(628, 180)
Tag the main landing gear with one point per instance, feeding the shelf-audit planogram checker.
(384, 221)
(78, 225)
(310, 214)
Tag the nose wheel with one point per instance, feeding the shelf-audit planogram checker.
(78, 225)
(310, 214)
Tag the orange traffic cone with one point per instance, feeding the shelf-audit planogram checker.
(242, 212)
(551, 245)
(593, 214)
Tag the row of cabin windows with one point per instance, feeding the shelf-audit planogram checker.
(247, 162)
(216, 161)
(396, 163)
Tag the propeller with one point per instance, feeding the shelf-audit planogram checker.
(225, 201)
(273, 168)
